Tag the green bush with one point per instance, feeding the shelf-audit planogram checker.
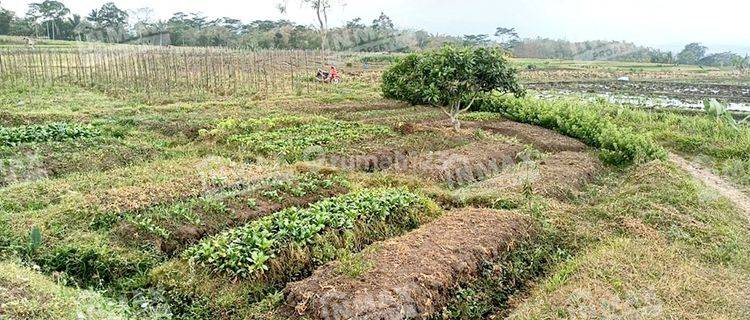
(619, 145)
(249, 250)
(450, 78)
(44, 133)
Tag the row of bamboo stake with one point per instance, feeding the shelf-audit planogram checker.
(174, 70)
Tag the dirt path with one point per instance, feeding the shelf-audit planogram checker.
(715, 182)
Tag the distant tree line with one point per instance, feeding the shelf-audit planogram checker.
(692, 54)
(52, 19)
(109, 23)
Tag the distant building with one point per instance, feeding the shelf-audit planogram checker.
(153, 39)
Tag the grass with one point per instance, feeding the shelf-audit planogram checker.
(115, 210)
(27, 294)
(650, 243)
(296, 138)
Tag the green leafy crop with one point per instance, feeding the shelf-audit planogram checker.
(247, 251)
(44, 132)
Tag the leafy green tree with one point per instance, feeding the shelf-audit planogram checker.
(50, 13)
(451, 78)
(692, 53)
(110, 22)
(6, 19)
(355, 24)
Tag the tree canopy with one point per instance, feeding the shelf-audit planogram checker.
(451, 78)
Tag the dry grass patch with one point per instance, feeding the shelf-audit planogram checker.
(558, 175)
(465, 164)
(638, 279)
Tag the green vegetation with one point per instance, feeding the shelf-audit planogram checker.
(164, 224)
(653, 222)
(173, 209)
(619, 145)
(44, 133)
(295, 138)
(26, 294)
(450, 78)
(248, 251)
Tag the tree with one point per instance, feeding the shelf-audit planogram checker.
(692, 53)
(355, 23)
(508, 37)
(50, 13)
(6, 18)
(450, 78)
(383, 22)
(721, 59)
(110, 21)
(476, 40)
(141, 20)
(321, 12)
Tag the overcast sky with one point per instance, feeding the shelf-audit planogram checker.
(720, 24)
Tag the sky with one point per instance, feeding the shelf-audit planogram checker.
(665, 24)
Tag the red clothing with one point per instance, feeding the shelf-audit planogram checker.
(333, 73)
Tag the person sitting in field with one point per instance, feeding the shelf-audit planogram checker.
(333, 74)
(328, 77)
(322, 75)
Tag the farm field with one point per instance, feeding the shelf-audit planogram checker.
(179, 192)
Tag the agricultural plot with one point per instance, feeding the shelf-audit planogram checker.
(121, 199)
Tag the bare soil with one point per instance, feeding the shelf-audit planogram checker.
(678, 90)
(411, 276)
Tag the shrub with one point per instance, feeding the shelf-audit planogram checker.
(250, 250)
(44, 132)
(450, 78)
(619, 145)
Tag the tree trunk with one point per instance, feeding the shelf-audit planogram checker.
(322, 26)
(456, 124)
(455, 111)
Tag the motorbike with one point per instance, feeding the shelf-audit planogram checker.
(323, 76)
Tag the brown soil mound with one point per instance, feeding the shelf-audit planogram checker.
(541, 138)
(556, 176)
(411, 276)
(467, 164)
